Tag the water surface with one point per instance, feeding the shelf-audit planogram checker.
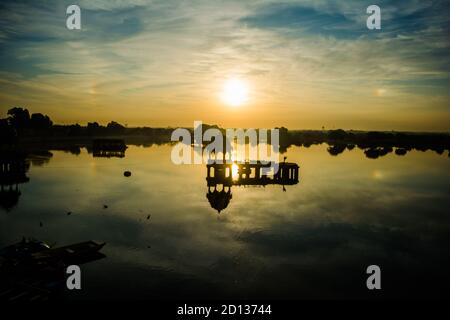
(310, 240)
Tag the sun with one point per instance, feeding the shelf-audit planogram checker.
(234, 171)
(235, 92)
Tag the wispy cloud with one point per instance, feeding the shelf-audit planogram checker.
(307, 58)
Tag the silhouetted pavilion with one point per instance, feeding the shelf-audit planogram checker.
(13, 169)
(247, 174)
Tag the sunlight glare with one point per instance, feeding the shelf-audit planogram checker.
(234, 171)
(235, 92)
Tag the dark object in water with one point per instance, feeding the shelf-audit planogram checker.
(109, 144)
(71, 254)
(105, 206)
(108, 148)
(23, 249)
(30, 252)
(148, 217)
(127, 173)
(41, 224)
(33, 271)
(69, 213)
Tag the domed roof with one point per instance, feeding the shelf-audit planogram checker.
(9, 198)
(219, 200)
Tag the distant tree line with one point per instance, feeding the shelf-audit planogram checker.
(374, 143)
(21, 126)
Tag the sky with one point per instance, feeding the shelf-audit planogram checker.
(302, 64)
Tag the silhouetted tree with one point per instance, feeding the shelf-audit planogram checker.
(74, 130)
(93, 128)
(338, 134)
(39, 121)
(8, 134)
(19, 118)
(115, 128)
(375, 135)
(284, 139)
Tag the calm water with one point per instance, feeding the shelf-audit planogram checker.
(313, 240)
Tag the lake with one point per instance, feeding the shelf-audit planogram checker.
(313, 239)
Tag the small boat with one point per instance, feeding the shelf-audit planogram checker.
(33, 271)
(21, 251)
(69, 254)
(26, 247)
(30, 253)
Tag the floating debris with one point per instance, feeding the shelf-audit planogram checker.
(127, 173)
(40, 224)
(148, 217)
(105, 206)
(69, 213)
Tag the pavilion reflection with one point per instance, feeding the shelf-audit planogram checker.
(13, 170)
(221, 177)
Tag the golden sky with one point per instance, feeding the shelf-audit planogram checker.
(300, 64)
